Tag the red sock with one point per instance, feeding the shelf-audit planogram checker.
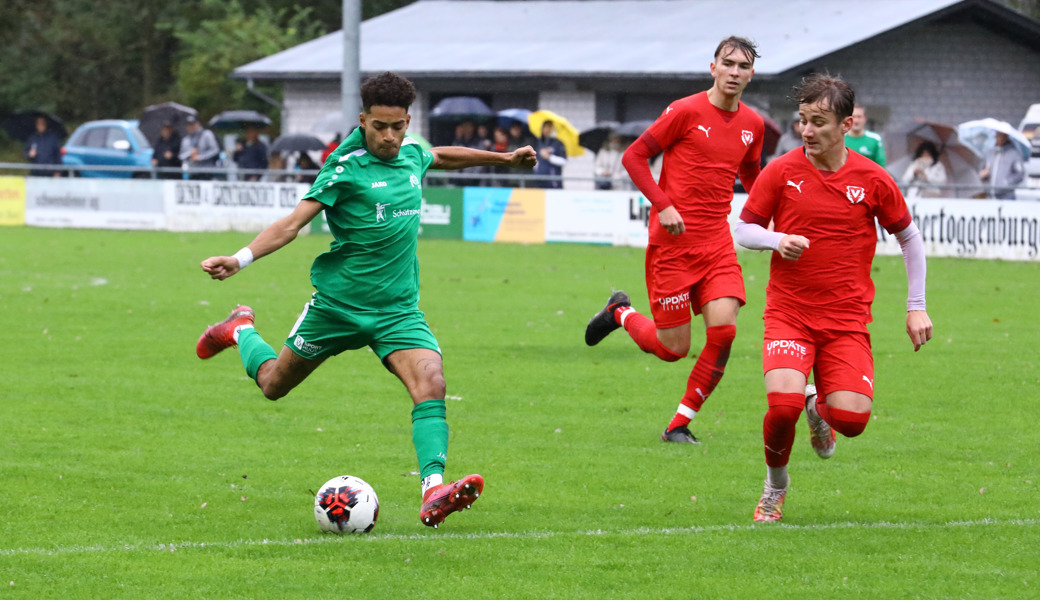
(779, 426)
(644, 332)
(706, 373)
(845, 422)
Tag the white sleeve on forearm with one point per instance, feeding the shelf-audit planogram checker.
(756, 237)
(912, 245)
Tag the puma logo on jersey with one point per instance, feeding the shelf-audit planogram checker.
(701, 394)
(706, 130)
(869, 382)
(855, 194)
(668, 110)
(797, 186)
(747, 137)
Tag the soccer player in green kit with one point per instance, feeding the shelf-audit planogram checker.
(368, 282)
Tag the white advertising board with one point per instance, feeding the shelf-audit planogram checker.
(94, 203)
(229, 205)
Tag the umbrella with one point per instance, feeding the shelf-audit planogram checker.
(462, 108)
(565, 132)
(772, 133)
(153, 117)
(594, 138)
(297, 142)
(962, 161)
(239, 119)
(507, 117)
(982, 135)
(23, 124)
(633, 129)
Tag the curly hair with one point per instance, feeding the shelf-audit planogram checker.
(838, 95)
(388, 89)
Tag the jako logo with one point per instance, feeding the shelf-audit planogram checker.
(855, 194)
(376, 184)
(747, 137)
(675, 302)
(785, 347)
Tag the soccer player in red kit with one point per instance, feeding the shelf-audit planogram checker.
(707, 139)
(823, 199)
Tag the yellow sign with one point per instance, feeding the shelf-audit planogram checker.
(524, 218)
(12, 201)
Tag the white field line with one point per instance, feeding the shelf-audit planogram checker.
(523, 535)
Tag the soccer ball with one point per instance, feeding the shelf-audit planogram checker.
(346, 504)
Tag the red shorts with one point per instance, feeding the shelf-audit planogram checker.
(679, 278)
(837, 351)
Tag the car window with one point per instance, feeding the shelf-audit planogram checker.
(142, 142)
(96, 137)
(114, 135)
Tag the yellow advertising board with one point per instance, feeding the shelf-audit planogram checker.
(12, 201)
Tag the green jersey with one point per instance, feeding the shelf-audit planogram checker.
(372, 207)
(869, 144)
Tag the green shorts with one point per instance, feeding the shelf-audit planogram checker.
(325, 330)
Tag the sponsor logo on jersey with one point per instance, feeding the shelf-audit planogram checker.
(676, 302)
(305, 346)
(381, 211)
(407, 213)
(855, 194)
(788, 347)
(706, 130)
(797, 186)
(747, 137)
(378, 184)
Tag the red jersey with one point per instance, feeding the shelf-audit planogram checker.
(704, 147)
(836, 212)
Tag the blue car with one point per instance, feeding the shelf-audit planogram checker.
(111, 142)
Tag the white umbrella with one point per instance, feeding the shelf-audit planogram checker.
(982, 135)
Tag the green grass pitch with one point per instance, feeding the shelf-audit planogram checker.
(131, 469)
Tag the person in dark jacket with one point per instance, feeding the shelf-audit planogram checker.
(44, 148)
(166, 150)
(551, 157)
(251, 154)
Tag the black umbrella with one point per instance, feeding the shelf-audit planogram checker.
(462, 108)
(633, 129)
(594, 138)
(297, 142)
(154, 116)
(239, 119)
(23, 124)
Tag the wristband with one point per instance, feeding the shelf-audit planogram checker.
(245, 257)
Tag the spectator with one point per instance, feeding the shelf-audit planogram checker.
(199, 148)
(551, 157)
(306, 163)
(1004, 168)
(44, 148)
(610, 174)
(867, 143)
(483, 137)
(500, 143)
(166, 151)
(520, 135)
(331, 148)
(792, 139)
(925, 174)
(251, 155)
(466, 137)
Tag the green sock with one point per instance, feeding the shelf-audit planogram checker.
(254, 351)
(430, 436)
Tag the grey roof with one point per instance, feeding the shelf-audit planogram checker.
(622, 38)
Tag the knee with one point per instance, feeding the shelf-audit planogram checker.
(272, 391)
(784, 415)
(430, 387)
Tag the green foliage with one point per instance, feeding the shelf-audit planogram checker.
(213, 50)
(132, 469)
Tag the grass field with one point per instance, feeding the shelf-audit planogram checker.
(131, 469)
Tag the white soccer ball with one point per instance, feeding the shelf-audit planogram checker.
(346, 504)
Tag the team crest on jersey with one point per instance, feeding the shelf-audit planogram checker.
(414, 180)
(747, 137)
(855, 194)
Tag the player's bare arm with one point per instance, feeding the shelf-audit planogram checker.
(458, 157)
(278, 234)
(792, 246)
(918, 327)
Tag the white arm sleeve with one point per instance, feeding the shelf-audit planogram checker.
(756, 237)
(912, 245)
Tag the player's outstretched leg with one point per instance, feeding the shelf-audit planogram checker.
(771, 507)
(604, 322)
(820, 433)
(442, 500)
(223, 335)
